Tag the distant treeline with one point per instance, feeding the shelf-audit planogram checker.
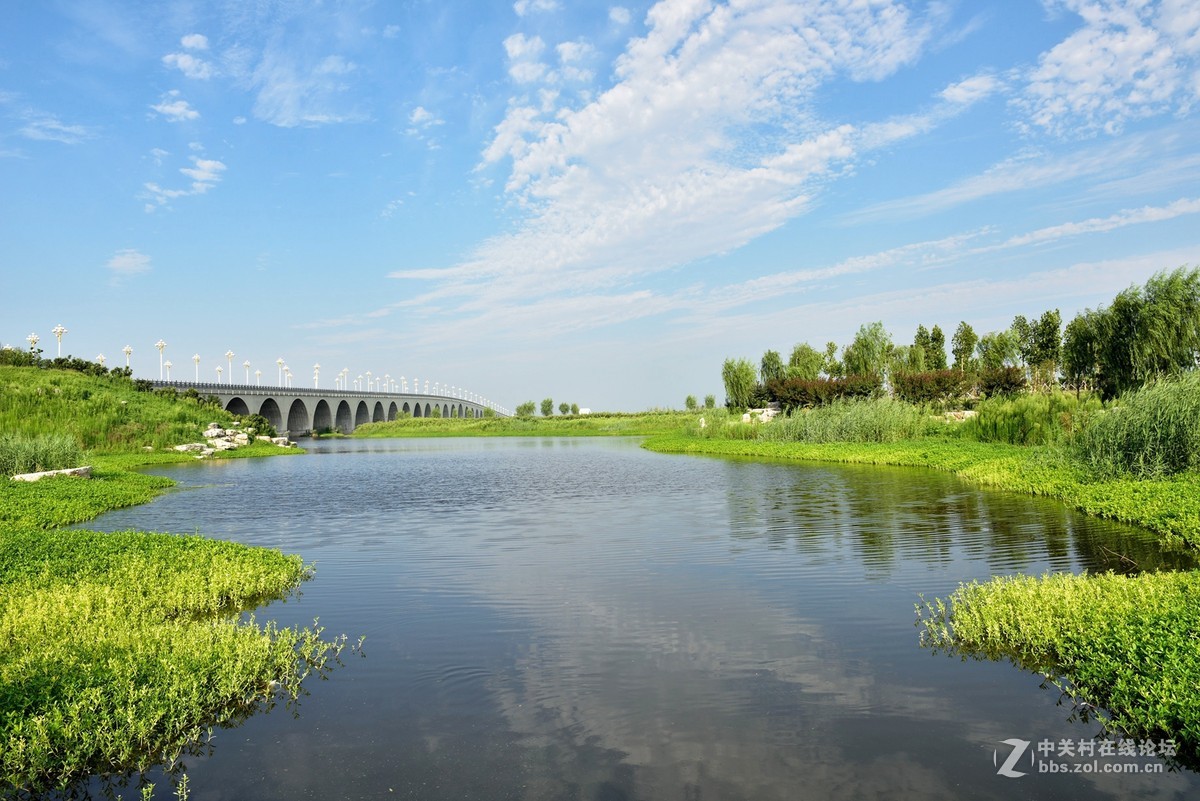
(1145, 332)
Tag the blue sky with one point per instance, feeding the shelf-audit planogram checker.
(593, 202)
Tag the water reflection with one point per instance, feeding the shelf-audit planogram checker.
(554, 619)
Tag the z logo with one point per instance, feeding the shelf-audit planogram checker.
(1018, 748)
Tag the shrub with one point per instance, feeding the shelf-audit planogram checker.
(799, 393)
(936, 386)
(1001, 381)
(1154, 431)
(852, 420)
(1040, 419)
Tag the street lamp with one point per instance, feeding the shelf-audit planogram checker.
(387, 382)
(32, 339)
(358, 383)
(167, 364)
(246, 364)
(219, 369)
(368, 381)
(279, 363)
(161, 347)
(58, 332)
(229, 356)
(287, 375)
(196, 359)
(257, 377)
(128, 351)
(100, 359)
(316, 375)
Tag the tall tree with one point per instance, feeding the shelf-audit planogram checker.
(1080, 350)
(547, 407)
(997, 349)
(868, 354)
(963, 345)
(771, 368)
(805, 362)
(935, 356)
(740, 380)
(831, 366)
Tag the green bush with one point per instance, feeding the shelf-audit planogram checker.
(935, 386)
(1154, 431)
(800, 393)
(1040, 419)
(1002, 381)
(20, 454)
(852, 420)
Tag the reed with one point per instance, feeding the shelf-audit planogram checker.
(1031, 419)
(25, 454)
(859, 420)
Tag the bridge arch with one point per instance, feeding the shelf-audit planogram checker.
(298, 419)
(417, 412)
(362, 415)
(391, 412)
(237, 406)
(344, 421)
(270, 410)
(427, 410)
(406, 408)
(322, 417)
(377, 413)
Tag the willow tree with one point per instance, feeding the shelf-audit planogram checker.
(740, 380)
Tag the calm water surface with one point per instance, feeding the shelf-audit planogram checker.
(581, 619)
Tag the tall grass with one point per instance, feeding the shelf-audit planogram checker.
(865, 420)
(1037, 419)
(1152, 432)
(22, 454)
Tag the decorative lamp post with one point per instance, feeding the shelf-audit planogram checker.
(161, 347)
(246, 365)
(403, 384)
(279, 363)
(426, 386)
(359, 383)
(258, 377)
(416, 386)
(196, 360)
(100, 359)
(316, 375)
(220, 369)
(368, 381)
(167, 364)
(287, 375)
(229, 357)
(128, 351)
(58, 332)
(32, 339)
(387, 382)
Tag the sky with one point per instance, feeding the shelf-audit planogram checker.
(592, 202)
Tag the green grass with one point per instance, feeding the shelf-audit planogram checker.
(24, 454)
(587, 425)
(1126, 644)
(1033, 419)
(121, 651)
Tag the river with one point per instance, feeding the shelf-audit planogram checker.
(583, 619)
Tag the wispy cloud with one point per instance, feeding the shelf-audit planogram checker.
(127, 263)
(204, 175)
(293, 90)
(175, 108)
(523, 7)
(1121, 219)
(43, 127)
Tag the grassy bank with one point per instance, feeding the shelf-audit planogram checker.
(120, 651)
(588, 425)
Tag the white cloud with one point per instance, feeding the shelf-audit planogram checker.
(204, 175)
(189, 65)
(159, 154)
(391, 208)
(194, 41)
(44, 127)
(175, 108)
(391, 31)
(971, 90)
(1125, 217)
(619, 14)
(519, 46)
(128, 262)
(292, 93)
(523, 7)
(1129, 60)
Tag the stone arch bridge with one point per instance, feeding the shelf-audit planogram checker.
(296, 412)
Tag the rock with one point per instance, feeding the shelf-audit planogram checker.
(74, 472)
(191, 447)
(264, 438)
(282, 442)
(213, 433)
(221, 445)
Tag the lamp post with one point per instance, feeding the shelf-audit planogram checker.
(58, 332)
(316, 375)
(287, 375)
(387, 382)
(358, 384)
(128, 351)
(32, 339)
(246, 364)
(196, 361)
(167, 364)
(219, 369)
(161, 347)
(100, 359)
(279, 363)
(258, 377)
(229, 356)
(368, 381)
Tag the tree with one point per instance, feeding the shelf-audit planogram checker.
(996, 349)
(1039, 344)
(772, 367)
(740, 380)
(830, 366)
(689, 403)
(1080, 350)
(805, 362)
(906, 359)
(526, 409)
(547, 407)
(924, 343)
(935, 355)
(574, 408)
(710, 401)
(868, 354)
(962, 346)
(564, 408)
